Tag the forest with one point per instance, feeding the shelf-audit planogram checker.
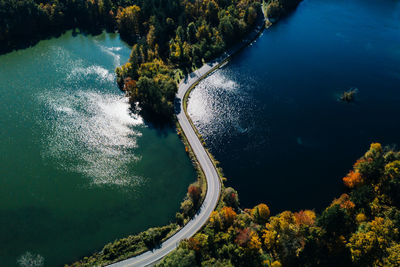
(169, 38)
(359, 228)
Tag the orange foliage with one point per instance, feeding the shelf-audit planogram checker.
(358, 162)
(344, 202)
(197, 242)
(194, 244)
(228, 215)
(305, 217)
(194, 193)
(224, 218)
(353, 179)
(129, 84)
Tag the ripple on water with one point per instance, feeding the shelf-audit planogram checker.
(110, 51)
(101, 74)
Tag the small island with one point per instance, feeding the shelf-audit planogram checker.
(348, 96)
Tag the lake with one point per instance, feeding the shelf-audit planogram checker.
(77, 168)
(272, 117)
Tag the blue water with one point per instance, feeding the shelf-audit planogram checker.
(272, 116)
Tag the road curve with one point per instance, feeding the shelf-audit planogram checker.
(213, 180)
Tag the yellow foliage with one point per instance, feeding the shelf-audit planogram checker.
(392, 169)
(261, 212)
(376, 147)
(270, 238)
(215, 220)
(276, 264)
(361, 218)
(374, 150)
(255, 241)
(223, 219)
(361, 244)
(393, 258)
(129, 17)
(373, 239)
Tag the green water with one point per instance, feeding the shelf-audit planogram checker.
(77, 169)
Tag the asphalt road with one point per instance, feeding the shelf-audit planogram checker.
(213, 181)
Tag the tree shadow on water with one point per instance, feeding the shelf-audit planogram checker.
(163, 125)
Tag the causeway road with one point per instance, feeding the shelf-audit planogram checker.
(213, 180)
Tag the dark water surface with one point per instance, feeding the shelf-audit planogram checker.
(272, 118)
(77, 170)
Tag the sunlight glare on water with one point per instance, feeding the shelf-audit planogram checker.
(94, 128)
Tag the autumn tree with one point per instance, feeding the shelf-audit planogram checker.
(194, 193)
(371, 241)
(353, 179)
(336, 221)
(230, 197)
(260, 213)
(128, 21)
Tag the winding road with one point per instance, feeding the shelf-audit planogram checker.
(213, 180)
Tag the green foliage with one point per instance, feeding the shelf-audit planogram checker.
(23, 23)
(181, 257)
(336, 221)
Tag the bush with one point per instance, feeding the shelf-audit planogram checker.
(231, 197)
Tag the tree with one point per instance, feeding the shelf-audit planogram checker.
(353, 179)
(344, 202)
(187, 207)
(371, 166)
(151, 37)
(152, 237)
(371, 241)
(181, 257)
(336, 221)
(127, 19)
(227, 28)
(230, 197)
(228, 215)
(191, 32)
(305, 217)
(260, 213)
(392, 169)
(194, 193)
